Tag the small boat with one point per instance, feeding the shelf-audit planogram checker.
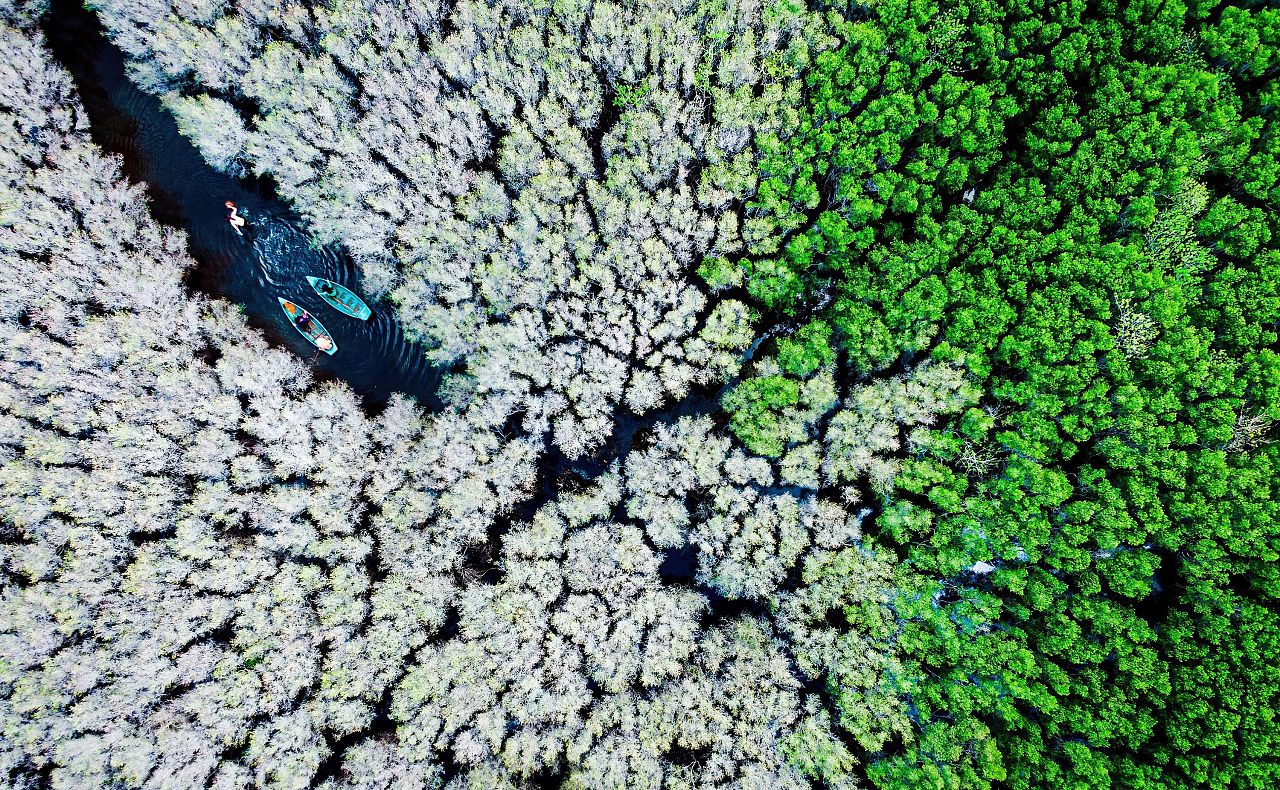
(341, 299)
(317, 334)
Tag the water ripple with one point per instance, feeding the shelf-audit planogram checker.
(276, 253)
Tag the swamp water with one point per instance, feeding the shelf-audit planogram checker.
(276, 252)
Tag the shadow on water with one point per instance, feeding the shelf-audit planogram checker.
(276, 253)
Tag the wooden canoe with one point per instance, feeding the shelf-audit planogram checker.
(341, 299)
(317, 334)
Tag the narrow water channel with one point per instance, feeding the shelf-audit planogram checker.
(276, 253)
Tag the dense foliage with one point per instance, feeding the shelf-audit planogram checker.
(1075, 204)
(987, 294)
(530, 184)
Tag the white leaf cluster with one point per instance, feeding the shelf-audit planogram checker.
(533, 186)
(217, 572)
(582, 661)
(856, 582)
(864, 433)
(214, 569)
(748, 528)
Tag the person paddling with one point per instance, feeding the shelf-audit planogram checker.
(303, 321)
(237, 221)
(326, 289)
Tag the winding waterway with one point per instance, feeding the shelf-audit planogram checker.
(276, 253)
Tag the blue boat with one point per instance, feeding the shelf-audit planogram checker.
(340, 298)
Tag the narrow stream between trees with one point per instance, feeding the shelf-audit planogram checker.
(276, 253)
(274, 258)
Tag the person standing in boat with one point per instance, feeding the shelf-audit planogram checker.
(237, 221)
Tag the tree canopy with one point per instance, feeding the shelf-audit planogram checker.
(839, 395)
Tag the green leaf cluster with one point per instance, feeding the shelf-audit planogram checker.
(1078, 202)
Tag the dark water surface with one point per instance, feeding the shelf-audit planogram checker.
(276, 253)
